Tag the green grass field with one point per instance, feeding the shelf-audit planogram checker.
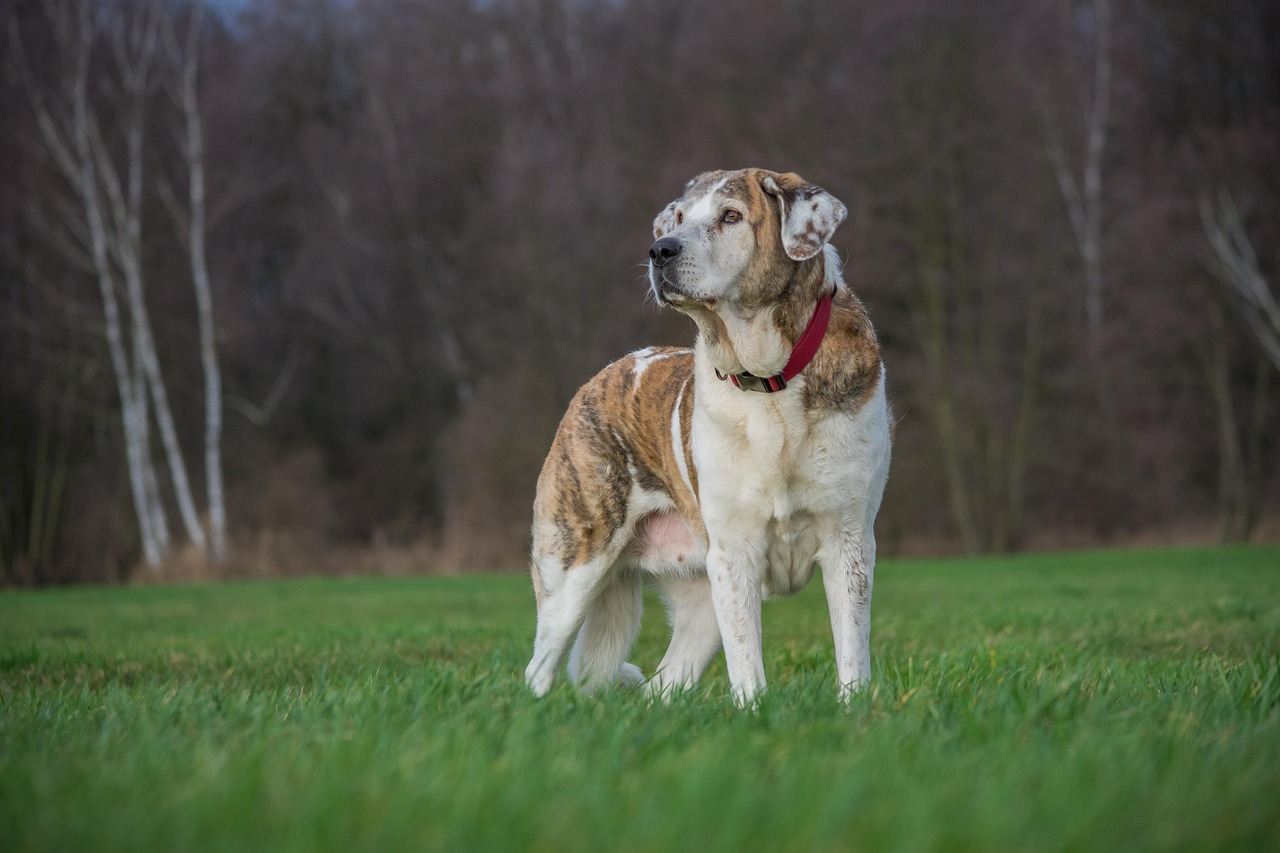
(1106, 701)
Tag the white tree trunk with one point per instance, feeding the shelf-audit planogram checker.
(1235, 265)
(1083, 194)
(1095, 147)
(193, 153)
(150, 363)
(134, 55)
(78, 169)
(154, 509)
(112, 228)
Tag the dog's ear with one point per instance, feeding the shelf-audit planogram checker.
(664, 221)
(809, 214)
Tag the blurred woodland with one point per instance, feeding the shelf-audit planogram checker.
(292, 286)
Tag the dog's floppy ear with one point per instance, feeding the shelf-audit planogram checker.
(809, 214)
(665, 221)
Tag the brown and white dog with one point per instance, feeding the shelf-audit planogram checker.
(712, 471)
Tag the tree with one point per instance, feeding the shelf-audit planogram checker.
(92, 126)
(1234, 264)
(1081, 186)
(183, 88)
(973, 271)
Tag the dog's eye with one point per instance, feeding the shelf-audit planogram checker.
(731, 216)
(679, 217)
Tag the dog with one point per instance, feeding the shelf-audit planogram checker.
(720, 473)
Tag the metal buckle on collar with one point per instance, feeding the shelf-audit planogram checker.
(751, 382)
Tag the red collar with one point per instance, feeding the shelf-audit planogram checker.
(801, 354)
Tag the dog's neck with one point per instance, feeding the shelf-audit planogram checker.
(759, 341)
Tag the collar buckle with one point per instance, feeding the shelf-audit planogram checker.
(751, 382)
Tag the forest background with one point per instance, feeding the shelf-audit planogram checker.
(293, 287)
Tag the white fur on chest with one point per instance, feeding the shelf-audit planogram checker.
(772, 472)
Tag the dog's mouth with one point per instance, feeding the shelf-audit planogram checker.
(664, 289)
(668, 292)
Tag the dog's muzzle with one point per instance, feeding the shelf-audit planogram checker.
(663, 253)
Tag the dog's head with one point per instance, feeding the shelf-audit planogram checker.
(738, 237)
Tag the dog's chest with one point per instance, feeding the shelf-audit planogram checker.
(771, 475)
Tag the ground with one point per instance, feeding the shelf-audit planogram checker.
(1111, 700)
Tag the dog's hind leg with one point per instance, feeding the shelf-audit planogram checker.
(695, 636)
(567, 593)
(599, 656)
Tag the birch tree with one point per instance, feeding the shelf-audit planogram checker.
(183, 88)
(1234, 264)
(134, 47)
(64, 134)
(105, 176)
(1080, 176)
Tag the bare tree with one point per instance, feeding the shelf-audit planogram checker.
(134, 47)
(108, 217)
(974, 288)
(1234, 264)
(1240, 439)
(1081, 185)
(185, 59)
(65, 135)
(985, 454)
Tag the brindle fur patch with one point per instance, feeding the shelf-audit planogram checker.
(846, 369)
(615, 438)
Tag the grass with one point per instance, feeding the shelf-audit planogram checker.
(1122, 701)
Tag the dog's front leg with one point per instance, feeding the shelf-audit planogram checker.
(848, 569)
(735, 574)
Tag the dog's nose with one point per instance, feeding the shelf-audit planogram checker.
(664, 249)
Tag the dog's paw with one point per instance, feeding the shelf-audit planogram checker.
(846, 690)
(629, 676)
(660, 690)
(747, 697)
(539, 682)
